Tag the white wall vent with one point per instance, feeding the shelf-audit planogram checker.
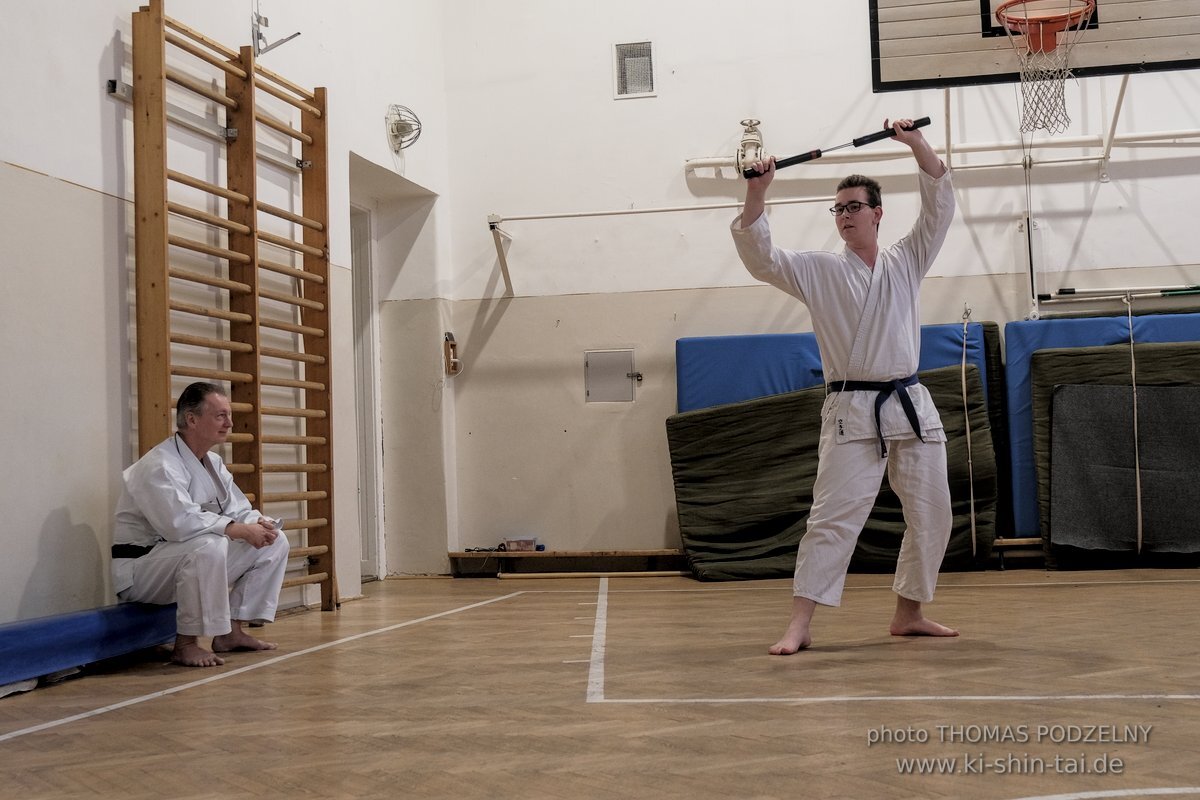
(633, 69)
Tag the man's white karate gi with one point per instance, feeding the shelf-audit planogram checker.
(197, 541)
(865, 313)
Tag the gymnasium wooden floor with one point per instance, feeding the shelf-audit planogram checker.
(1065, 685)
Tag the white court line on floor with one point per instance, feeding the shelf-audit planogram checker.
(595, 687)
(901, 698)
(1156, 792)
(943, 587)
(269, 662)
(595, 690)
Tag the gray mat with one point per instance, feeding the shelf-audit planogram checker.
(744, 473)
(1093, 480)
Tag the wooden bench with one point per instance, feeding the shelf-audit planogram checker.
(1023, 547)
(567, 563)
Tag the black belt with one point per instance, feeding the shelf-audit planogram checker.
(885, 390)
(130, 550)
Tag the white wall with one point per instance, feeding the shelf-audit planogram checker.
(516, 101)
(65, 191)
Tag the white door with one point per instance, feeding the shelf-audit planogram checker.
(370, 440)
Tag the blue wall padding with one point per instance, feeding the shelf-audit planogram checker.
(1022, 340)
(35, 647)
(715, 370)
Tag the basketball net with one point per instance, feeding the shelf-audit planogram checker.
(1043, 33)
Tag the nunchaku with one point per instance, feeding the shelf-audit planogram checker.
(811, 155)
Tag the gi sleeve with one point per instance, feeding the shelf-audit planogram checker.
(929, 231)
(764, 261)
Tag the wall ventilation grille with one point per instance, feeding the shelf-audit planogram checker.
(634, 69)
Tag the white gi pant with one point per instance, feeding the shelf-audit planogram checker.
(212, 579)
(848, 479)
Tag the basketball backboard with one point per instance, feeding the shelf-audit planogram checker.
(922, 44)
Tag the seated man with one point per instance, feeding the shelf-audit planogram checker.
(186, 534)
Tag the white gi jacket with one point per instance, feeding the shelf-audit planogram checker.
(169, 495)
(867, 322)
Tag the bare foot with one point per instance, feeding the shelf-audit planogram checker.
(920, 627)
(190, 654)
(796, 637)
(239, 640)
(793, 641)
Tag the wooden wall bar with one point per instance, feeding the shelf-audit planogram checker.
(266, 438)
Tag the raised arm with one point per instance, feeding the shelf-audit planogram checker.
(923, 152)
(756, 191)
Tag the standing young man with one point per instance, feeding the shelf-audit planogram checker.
(876, 417)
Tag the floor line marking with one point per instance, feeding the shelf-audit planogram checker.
(891, 699)
(942, 587)
(1155, 792)
(595, 688)
(222, 676)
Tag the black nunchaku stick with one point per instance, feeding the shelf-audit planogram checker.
(811, 155)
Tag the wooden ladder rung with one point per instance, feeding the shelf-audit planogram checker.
(290, 271)
(301, 580)
(212, 374)
(279, 325)
(308, 358)
(287, 497)
(308, 413)
(205, 217)
(205, 186)
(283, 128)
(215, 313)
(200, 88)
(196, 36)
(236, 287)
(287, 98)
(291, 300)
(205, 55)
(314, 440)
(240, 469)
(290, 244)
(305, 552)
(215, 344)
(275, 211)
(263, 72)
(304, 524)
(295, 468)
(294, 384)
(208, 249)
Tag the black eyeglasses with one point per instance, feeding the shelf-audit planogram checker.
(853, 207)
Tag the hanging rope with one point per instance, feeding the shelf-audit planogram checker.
(966, 318)
(1137, 462)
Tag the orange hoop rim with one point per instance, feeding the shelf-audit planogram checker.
(1042, 31)
(1053, 21)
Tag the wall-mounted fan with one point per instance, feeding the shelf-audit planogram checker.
(403, 127)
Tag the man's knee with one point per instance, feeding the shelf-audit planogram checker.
(211, 550)
(280, 547)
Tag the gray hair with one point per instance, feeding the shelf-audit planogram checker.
(192, 400)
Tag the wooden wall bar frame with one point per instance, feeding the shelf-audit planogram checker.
(237, 360)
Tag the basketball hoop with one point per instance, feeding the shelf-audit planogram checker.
(1043, 32)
